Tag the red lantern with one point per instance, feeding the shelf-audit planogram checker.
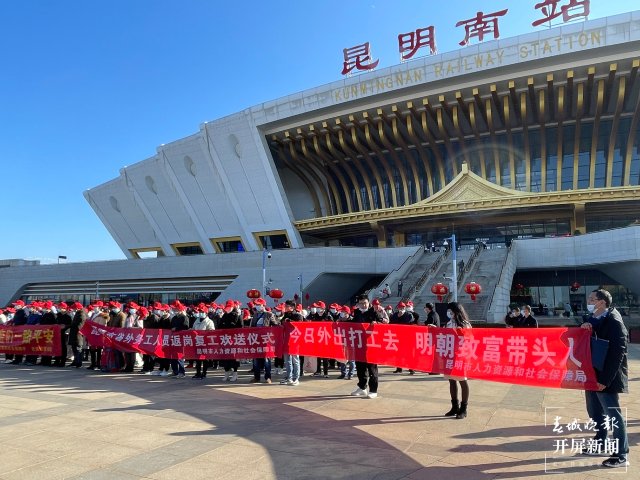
(440, 290)
(276, 294)
(473, 289)
(575, 286)
(253, 293)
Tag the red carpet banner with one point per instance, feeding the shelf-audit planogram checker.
(31, 340)
(189, 344)
(543, 357)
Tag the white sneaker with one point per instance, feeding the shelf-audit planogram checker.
(358, 392)
(8, 361)
(234, 377)
(293, 382)
(372, 395)
(181, 375)
(284, 381)
(164, 373)
(226, 376)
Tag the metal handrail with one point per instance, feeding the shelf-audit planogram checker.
(417, 286)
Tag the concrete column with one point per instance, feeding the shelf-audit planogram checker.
(398, 239)
(578, 221)
(381, 234)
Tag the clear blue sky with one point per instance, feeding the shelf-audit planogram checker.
(90, 86)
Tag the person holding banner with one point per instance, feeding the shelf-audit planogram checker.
(603, 406)
(457, 319)
(291, 362)
(202, 323)
(231, 319)
(365, 313)
(262, 318)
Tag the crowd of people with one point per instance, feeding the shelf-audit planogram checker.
(604, 321)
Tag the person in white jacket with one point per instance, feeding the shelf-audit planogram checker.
(203, 322)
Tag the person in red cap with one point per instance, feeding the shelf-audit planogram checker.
(202, 323)
(112, 358)
(230, 319)
(132, 320)
(262, 318)
(291, 362)
(347, 368)
(366, 313)
(401, 317)
(179, 322)
(319, 313)
(19, 318)
(75, 338)
(64, 320)
(48, 318)
(100, 316)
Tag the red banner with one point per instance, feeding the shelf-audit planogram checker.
(259, 342)
(542, 357)
(31, 340)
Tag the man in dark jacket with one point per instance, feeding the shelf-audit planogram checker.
(527, 320)
(75, 338)
(64, 320)
(151, 321)
(603, 405)
(48, 318)
(366, 313)
(230, 319)
(432, 316)
(262, 318)
(19, 318)
(179, 322)
(402, 316)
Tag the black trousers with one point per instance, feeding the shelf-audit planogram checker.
(371, 369)
(201, 367)
(148, 363)
(323, 365)
(96, 356)
(230, 364)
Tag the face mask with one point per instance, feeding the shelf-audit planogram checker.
(333, 310)
(10, 317)
(259, 308)
(219, 311)
(449, 314)
(591, 307)
(54, 310)
(116, 310)
(343, 315)
(132, 311)
(409, 309)
(157, 312)
(401, 312)
(514, 314)
(96, 310)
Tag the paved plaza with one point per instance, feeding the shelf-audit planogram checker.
(78, 424)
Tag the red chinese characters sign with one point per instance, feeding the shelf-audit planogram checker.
(544, 357)
(191, 344)
(359, 57)
(31, 340)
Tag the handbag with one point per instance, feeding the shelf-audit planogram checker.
(599, 349)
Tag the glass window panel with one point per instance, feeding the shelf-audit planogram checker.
(552, 159)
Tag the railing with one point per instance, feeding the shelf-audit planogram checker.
(511, 252)
(416, 287)
(469, 265)
(395, 273)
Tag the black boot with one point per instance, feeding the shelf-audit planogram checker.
(455, 407)
(462, 413)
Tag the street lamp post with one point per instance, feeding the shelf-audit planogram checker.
(454, 276)
(265, 254)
